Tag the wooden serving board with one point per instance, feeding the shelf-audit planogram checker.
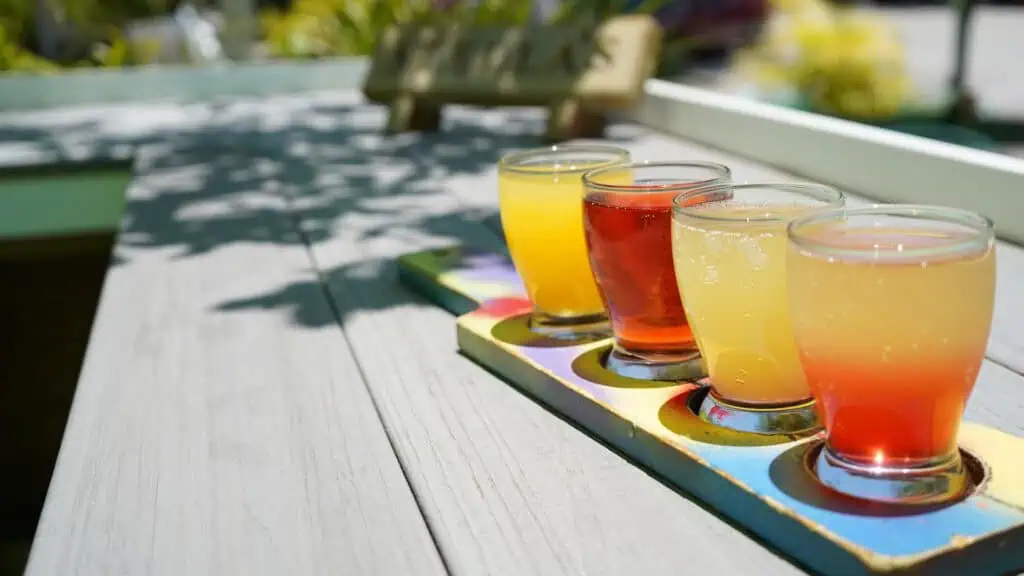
(761, 483)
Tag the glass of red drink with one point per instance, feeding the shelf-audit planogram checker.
(891, 309)
(627, 217)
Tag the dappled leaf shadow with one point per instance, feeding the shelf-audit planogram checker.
(391, 187)
(299, 174)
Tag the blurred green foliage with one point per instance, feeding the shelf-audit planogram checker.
(89, 31)
(113, 12)
(15, 16)
(322, 28)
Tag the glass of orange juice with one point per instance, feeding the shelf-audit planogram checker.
(540, 197)
(891, 308)
(729, 250)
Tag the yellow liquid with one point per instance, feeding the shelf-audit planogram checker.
(732, 279)
(542, 216)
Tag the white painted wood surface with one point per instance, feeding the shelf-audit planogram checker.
(222, 423)
(207, 440)
(881, 164)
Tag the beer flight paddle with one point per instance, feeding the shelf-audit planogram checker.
(799, 365)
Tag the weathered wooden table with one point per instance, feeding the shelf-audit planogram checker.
(260, 396)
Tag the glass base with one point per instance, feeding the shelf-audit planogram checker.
(589, 327)
(663, 367)
(799, 419)
(939, 483)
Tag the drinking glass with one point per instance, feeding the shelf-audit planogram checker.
(627, 217)
(729, 247)
(891, 309)
(540, 197)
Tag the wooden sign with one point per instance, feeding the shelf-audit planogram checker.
(578, 70)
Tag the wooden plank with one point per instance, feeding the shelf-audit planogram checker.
(1006, 345)
(211, 432)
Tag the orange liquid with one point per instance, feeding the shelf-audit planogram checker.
(903, 415)
(891, 350)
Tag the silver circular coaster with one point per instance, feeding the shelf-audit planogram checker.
(667, 369)
(584, 329)
(921, 486)
(796, 420)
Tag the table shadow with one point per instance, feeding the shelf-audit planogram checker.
(590, 366)
(679, 416)
(515, 330)
(792, 474)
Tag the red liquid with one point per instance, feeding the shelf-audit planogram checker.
(630, 245)
(906, 415)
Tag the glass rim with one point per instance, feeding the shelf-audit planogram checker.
(723, 173)
(983, 225)
(507, 163)
(831, 198)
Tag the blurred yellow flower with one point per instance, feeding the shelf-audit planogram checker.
(842, 60)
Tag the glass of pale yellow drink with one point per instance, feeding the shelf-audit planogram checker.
(729, 250)
(540, 197)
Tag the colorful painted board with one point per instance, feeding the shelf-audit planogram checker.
(762, 483)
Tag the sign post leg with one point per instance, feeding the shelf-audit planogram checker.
(407, 113)
(570, 119)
